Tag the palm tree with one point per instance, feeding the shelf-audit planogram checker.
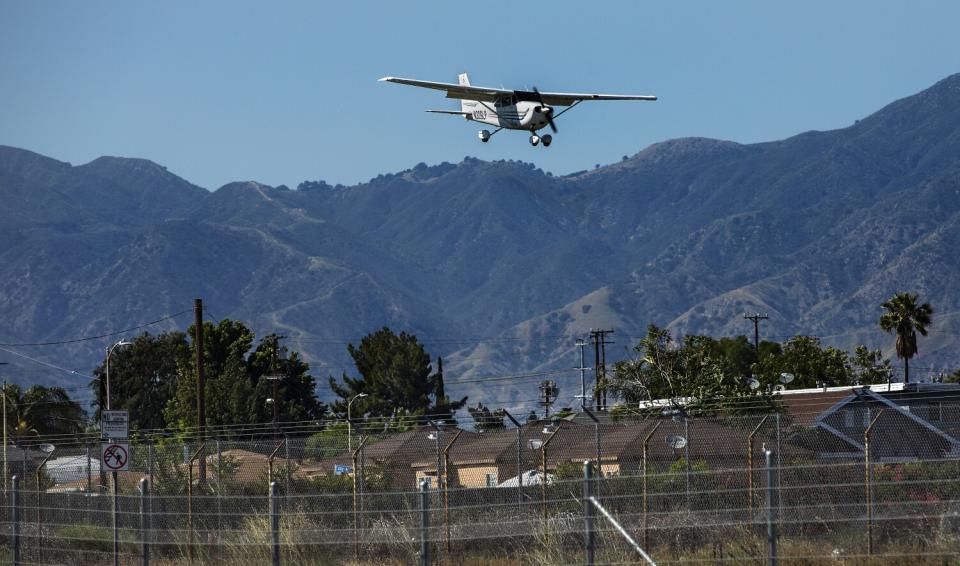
(41, 411)
(905, 318)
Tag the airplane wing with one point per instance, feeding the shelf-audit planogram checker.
(487, 94)
(569, 98)
(465, 92)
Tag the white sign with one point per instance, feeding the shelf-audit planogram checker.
(115, 456)
(114, 424)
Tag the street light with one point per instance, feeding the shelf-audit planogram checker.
(110, 350)
(350, 423)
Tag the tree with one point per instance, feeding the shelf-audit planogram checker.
(702, 374)
(237, 387)
(41, 411)
(143, 377)
(869, 366)
(904, 317)
(808, 361)
(486, 420)
(395, 373)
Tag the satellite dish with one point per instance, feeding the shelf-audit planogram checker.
(47, 447)
(786, 377)
(676, 441)
(753, 383)
(534, 443)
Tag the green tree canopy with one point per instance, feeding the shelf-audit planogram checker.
(143, 377)
(239, 382)
(904, 317)
(706, 374)
(396, 375)
(40, 412)
(486, 420)
(869, 366)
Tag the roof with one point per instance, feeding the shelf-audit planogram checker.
(394, 449)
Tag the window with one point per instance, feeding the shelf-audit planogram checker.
(490, 480)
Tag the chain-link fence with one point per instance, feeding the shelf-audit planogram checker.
(687, 489)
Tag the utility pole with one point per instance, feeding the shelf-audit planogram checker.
(548, 394)
(201, 386)
(756, 318)
(583, 380)
(599, 339)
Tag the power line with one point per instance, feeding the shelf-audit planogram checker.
(99, 336)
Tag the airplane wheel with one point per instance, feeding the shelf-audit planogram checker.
(534, 140)
(547, 140)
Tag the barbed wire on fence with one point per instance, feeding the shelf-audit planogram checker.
(692, 489)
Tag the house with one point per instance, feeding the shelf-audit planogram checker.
(393, 454)
(919, 421)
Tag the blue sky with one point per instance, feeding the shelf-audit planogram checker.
(223, 91)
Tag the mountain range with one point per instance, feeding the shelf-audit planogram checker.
(498, 266)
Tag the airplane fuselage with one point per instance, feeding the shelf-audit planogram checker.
(509, 113)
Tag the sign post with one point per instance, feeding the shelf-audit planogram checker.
(115, 456)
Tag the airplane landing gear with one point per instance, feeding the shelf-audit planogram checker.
(546, 140)
(485, 135)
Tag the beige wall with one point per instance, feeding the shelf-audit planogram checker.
(610, 468)
(476, 476)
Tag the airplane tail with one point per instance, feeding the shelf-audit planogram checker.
(464, 80)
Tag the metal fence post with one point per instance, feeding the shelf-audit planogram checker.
(750, 468)
(15, 485)
(356, 483)
(646, 445)
(868, 481)
(286, 455)
(588, 512)
(424, 522)
(771, 513)
(686, 456)
(519, 470)
(446, 488)
(274, 524)
(116, 526)
(89, 471)
(145, 520)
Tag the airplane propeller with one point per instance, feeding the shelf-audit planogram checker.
(547, 110)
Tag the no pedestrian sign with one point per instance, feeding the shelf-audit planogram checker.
(115, 456)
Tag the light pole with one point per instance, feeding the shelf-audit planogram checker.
(110, 350)
(350, 423)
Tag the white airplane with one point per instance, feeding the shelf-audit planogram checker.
(510, 109)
